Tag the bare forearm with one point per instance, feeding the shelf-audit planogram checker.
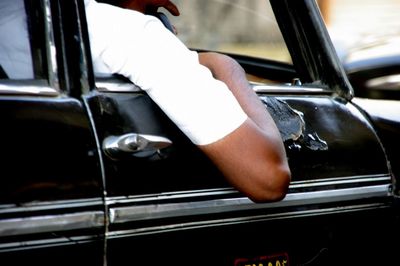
(256, 160)
(232, 74)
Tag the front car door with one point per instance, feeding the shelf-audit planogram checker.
(167, 203)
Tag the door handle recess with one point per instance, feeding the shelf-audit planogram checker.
(133, 144)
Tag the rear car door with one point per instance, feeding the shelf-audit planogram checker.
(51, 197)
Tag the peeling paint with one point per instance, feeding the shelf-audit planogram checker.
(315, 143)
(292, 126)
(290, 122)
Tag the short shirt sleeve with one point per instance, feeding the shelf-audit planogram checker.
(142, 49)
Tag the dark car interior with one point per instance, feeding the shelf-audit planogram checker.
(3, 74)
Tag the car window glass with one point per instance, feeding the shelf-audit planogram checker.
(235, 26)
(15, 52)
(21, 41)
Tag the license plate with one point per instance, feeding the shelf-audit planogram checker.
(272, 260)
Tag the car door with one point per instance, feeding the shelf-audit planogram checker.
(51, 197)
(167, 203)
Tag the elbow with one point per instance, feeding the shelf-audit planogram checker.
(282, 184)
(273, 186)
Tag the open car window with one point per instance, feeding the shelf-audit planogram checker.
(239, 27)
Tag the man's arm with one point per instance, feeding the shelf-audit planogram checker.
(252, 157)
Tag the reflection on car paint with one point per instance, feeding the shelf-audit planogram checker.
(314, 142)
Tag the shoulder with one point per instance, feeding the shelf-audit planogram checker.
(110, 24)
(105, 14)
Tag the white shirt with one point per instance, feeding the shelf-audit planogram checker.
(15, 51)
(141, 48)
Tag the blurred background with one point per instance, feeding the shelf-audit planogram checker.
(353, 23)
(248, 26)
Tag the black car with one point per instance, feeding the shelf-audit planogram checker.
(373, 67)
(78, 190)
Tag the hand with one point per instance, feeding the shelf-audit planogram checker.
(153, 5)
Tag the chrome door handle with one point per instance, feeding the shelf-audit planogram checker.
(138, 145)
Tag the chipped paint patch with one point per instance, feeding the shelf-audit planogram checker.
(292, 126)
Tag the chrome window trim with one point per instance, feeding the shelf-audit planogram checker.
(243, 220)
(290, 89)
(26, 89)
(352, 181)
(385, 178)
(51, 223)
(50, 205)
(51, 50)
(114, 84)
(167, 210)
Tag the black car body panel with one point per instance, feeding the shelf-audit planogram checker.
(65, 168)
(53, 197)
(328, 140)
(387, 125)
(80, 187)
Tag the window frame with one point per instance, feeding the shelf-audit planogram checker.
(43, 51)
